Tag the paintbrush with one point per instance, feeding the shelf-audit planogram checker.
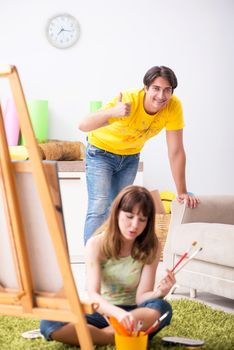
(184, 256)
(155, 324)
(187, 261)
(139, 327)
(118, 327)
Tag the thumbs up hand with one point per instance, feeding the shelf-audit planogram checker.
(120, 97)
(121, 109)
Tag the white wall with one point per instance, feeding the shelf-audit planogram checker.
(119, 41)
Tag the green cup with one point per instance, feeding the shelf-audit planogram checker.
(95, 105)
(38, 111)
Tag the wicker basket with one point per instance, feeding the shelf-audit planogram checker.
(161, 227)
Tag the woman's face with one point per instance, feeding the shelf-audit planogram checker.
(131, 224)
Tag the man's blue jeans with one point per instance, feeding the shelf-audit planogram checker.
(106, 175)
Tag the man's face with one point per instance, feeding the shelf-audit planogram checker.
(157, 95)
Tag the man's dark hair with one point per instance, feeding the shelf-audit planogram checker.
(160, 71)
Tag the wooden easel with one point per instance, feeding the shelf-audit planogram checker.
(34, 262)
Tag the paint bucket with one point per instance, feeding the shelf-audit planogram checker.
(131, 343)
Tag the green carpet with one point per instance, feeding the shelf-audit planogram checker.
(190, 319)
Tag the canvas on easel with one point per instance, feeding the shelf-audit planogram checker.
(35, 275)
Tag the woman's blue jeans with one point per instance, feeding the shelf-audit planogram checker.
(106, 175)
(97, 320)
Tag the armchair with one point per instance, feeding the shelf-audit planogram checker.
(211, 224)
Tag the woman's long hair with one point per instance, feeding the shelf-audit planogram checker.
(146, 244)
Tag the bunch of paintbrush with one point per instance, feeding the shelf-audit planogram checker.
(118, 327)
(135, 331)
(182, 262)
(121, 330)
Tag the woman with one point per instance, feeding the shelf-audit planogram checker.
(121, 262)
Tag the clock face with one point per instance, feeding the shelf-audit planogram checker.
(63, 31)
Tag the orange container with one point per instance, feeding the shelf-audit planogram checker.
(131, 343)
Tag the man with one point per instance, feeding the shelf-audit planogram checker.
(117, 133)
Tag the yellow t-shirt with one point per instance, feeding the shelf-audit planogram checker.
(127, 135)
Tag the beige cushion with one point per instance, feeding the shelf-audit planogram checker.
(216, 240)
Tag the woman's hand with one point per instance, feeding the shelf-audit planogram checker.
(125, 318)
(166, 283)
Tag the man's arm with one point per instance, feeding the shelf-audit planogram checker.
(95, 120)
(100, 118)
(177, 159)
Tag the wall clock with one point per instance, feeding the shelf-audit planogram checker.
(63, 31)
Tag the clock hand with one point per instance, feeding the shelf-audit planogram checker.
(61, 30)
